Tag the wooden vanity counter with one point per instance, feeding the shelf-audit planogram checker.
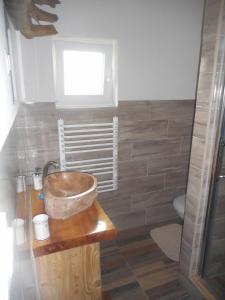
(89, 226)
(68, 263)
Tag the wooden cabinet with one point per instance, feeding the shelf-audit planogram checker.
(68, 264)
(70, 274)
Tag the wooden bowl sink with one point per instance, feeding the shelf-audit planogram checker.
(68, 193)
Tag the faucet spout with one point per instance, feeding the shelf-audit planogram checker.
(47, 166)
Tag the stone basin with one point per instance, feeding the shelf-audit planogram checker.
(68, 193)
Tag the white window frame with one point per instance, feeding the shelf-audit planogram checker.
(109, 48)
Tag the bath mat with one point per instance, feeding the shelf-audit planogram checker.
(168, 238)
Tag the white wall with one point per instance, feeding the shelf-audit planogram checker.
(159, 42)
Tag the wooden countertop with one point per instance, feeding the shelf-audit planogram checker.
(90, 226)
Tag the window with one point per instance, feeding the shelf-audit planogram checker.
(85, 73)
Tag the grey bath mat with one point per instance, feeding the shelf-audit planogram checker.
(168, 238)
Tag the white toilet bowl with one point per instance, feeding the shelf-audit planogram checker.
(179, 205)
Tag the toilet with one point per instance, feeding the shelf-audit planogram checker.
(168, 237)
(179, 205)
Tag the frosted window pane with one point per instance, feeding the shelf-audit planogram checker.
(83, 72)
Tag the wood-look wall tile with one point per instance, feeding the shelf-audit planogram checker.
(129, 169)
(36, 114)
(142, 130)
(75, 116)
(212, 11)
(201, 121)
(39, 157)
(104, 114)
(133, 110)
(207, 53)
(166, 163)
(197, 152)
(143, 201)
(41, 137)
(204, 86)
(172, 110)
(115, 206)
(179, 128)
(130, 220)
(186, 142)
(194, 181)
(157, 147)
(124, 151)
(160, 213)
(133, 186)
(176, 179)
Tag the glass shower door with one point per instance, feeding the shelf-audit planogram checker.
(213, 267)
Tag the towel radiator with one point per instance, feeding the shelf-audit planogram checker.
(91, 148)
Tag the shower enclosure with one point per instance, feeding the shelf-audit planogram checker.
(213, 254)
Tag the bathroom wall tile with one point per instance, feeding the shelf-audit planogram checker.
(75, 116)
(142, 130)
(165, 163)
(129, 169)
(172, 110)
(185, 257)
(197, 152)
(135, 111)
(144, 201)
(124, 151)
(176, 179)
(201, 120)
(37, 114)
(39, 157)
(179, 128)
(130, 220)
(212, 11)
(115, 206)
(157, 147)
(160, 213)
(142, 184)
(143, 134)
(204, 87)
(40, 137)
(186, 142)
(207, 53)
(194, 182)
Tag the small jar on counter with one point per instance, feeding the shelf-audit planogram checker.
(37, 179)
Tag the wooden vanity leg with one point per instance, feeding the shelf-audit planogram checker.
(70, 274)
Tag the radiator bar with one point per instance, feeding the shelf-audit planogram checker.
(88, 125)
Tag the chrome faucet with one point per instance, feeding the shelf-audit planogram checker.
(47, 166)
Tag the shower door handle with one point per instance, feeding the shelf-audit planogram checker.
(221, 176)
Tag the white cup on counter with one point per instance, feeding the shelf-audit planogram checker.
(41, 227)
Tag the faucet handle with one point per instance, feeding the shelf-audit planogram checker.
(37, 170)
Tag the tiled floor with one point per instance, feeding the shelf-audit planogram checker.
(134, 268)
(217, 284)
